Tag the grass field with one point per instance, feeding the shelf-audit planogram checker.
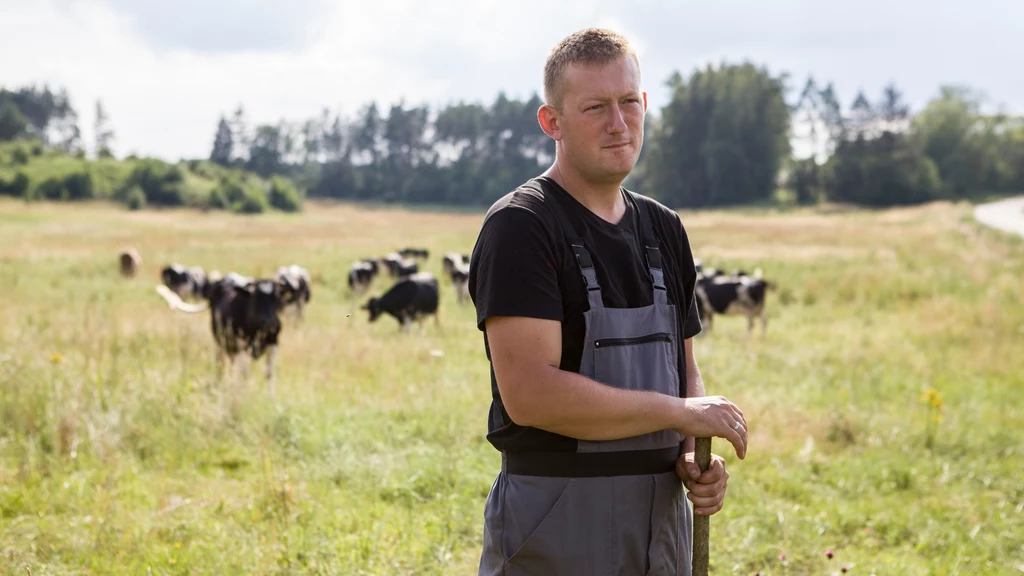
(885, 404)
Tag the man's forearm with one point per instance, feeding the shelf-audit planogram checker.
(573, 405)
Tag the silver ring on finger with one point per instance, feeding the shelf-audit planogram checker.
(737, 426)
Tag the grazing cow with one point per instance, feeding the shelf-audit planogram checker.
(399, 267)
(360, 276)
(460, 279)
(392, 261)
(451, 260)
(243, 317)
(733, 295)
(373, 263)
(188, 283)
(130, 262)
(296, 288)
(414, 253)
(411, 299)
(710, 272)
(407, 269)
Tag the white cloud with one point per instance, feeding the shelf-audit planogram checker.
(164, 96)
(166, 102)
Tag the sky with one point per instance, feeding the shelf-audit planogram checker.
(167, 70)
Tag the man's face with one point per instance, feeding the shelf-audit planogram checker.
(602, 119)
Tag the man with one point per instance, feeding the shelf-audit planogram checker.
(585, 294)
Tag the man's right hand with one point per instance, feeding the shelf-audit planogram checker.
(714, 416)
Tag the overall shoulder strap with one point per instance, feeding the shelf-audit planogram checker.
(583, 259)
(651, 250)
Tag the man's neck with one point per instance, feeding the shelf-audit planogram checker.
(604, 200)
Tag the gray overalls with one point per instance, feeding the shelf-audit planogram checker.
(612, 508)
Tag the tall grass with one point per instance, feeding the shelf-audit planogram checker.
(885, 403)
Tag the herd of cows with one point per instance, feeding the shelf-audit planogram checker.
(245, 311)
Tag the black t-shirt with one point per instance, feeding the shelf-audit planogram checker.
(522, 265)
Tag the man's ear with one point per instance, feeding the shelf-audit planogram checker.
(550, 121)
(645, 101)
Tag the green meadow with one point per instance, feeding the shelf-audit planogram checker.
(885, 402)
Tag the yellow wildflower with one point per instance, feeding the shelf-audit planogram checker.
(932, 398)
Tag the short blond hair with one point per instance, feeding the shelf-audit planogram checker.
(588, 46)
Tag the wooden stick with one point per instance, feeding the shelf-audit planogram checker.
(701, 524)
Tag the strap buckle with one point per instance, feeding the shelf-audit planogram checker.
(583, 258)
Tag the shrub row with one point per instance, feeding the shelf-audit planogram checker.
(152, 182)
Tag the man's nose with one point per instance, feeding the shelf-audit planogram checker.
(616, 120)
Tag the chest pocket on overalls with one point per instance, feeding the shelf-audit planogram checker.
(646, 362)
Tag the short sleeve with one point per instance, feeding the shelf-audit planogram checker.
(693, 325)
(514, 269)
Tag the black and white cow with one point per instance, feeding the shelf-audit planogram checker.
(296, 288)
(732, 295)
(188, 283)
(392, 262)
(460, 279)
(451, 260)
(399, 267)
(373, 263)
(408, 300)
(361, 275)
(414, 253)
(406, 269)
(243, 317)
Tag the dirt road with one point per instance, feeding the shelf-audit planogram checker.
(1005, 215)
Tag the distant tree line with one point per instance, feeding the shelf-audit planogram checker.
(879, 154)
(724, 138)
(42, 158)
(39, 113)
(464, 153)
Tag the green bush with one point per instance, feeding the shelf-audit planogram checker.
(135, 198)
(79, 186)
(217, 199)
(19, 156)
(284, 196)
(162, 183)
(51, 188)
(19, 186)
(240, 195)
(253, 203)
(227, 192)
(16, 186)
(205, 169)
(37, 149)
(73, 186)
